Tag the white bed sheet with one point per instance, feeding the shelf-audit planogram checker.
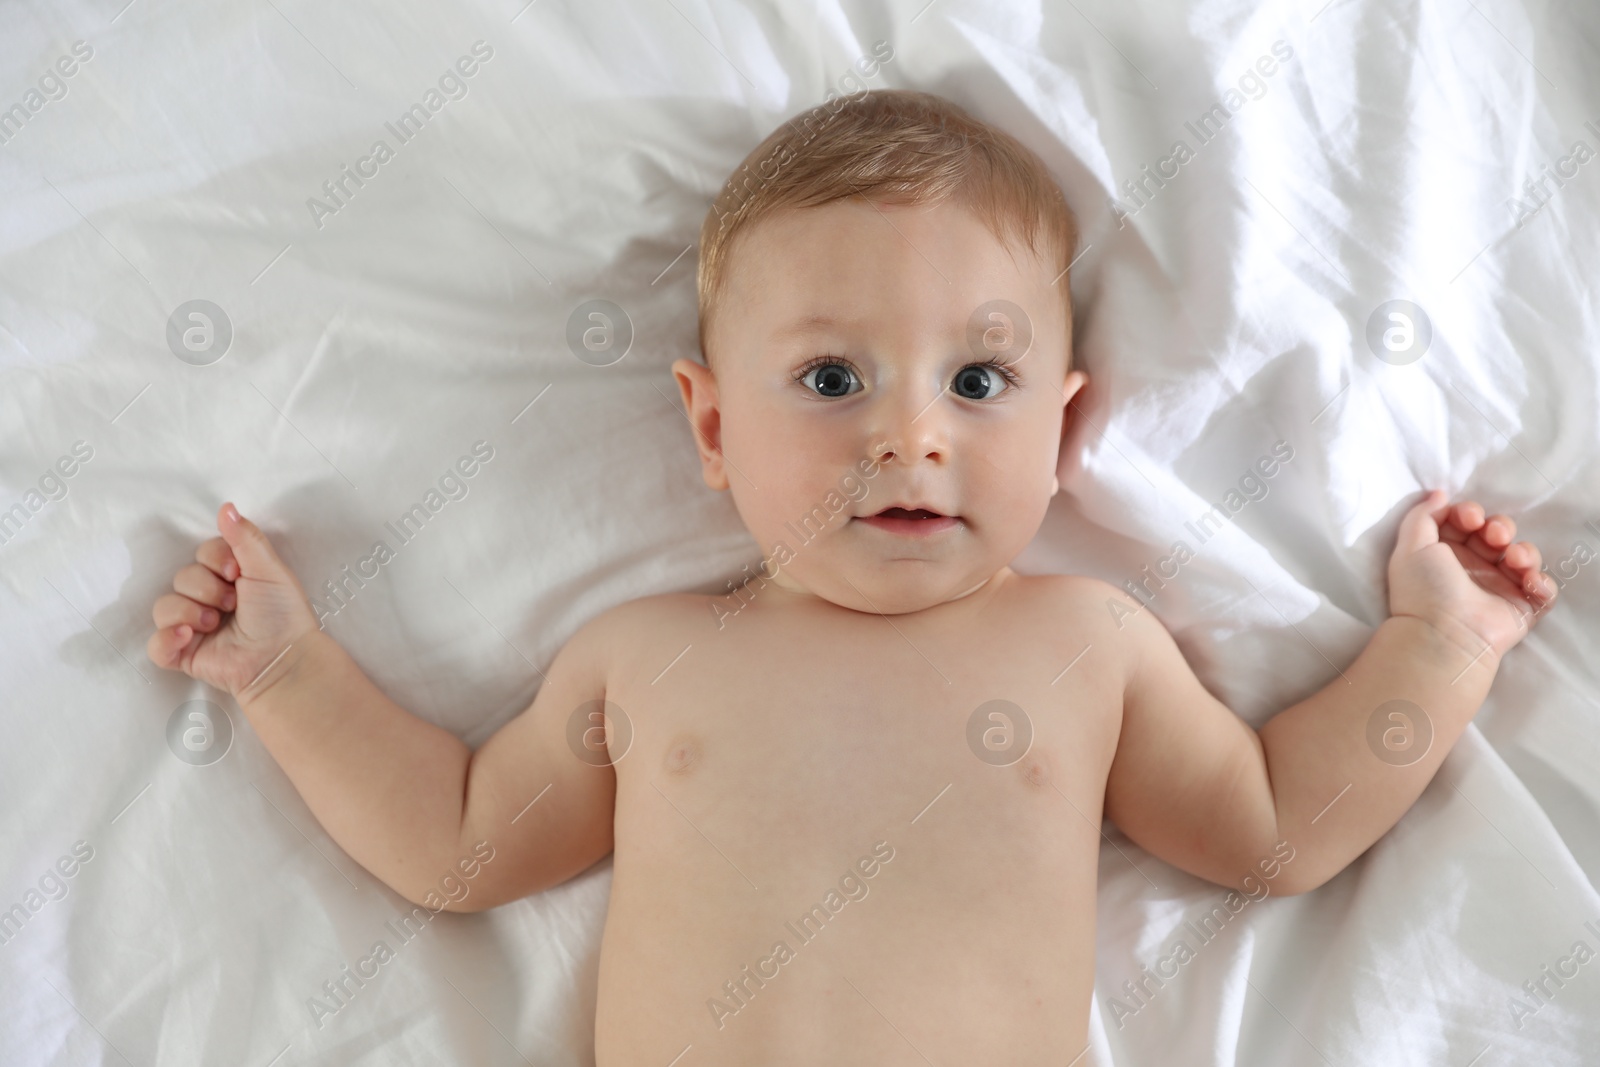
(374, 345)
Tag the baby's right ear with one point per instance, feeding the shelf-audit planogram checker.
(698, 387)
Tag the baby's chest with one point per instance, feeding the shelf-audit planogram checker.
(790, 769)
(814, 827)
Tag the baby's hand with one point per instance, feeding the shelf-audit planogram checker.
(1461, 572)
(237, 573)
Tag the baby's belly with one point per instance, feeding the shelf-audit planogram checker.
(770, 927)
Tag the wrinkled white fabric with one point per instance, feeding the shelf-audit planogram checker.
(1219, 313)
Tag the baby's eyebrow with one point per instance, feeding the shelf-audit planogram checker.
(808, 325)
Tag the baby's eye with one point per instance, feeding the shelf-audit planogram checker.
(829, 378)
(981, 381)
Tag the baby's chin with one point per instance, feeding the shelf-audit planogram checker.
(897, 587)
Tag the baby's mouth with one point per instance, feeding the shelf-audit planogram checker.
(910, 522)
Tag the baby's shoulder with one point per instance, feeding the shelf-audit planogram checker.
(1076, 594)
(650, 618)
(1091, 608)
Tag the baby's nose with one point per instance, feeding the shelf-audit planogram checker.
(906, 448)
(911, 426)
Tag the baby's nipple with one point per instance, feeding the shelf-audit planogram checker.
(681, 755)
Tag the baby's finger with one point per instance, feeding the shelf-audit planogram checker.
(216, 555)
(1522, 556)
(1461, 521)
(1535, 586)
(1522, 565)
(199, 582)
(166, 645)
(175, 610)
(1494, 538)
(1419, 525)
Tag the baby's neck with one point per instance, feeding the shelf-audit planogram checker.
(783, 589)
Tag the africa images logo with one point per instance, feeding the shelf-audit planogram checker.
(452, 85)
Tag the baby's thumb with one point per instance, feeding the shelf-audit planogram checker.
(250, 546)
(1420, 526)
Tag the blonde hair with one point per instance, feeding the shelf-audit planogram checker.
(895, 146)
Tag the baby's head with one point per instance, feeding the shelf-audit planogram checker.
(885, 320)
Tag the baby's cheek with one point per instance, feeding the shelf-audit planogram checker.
(1010, 512)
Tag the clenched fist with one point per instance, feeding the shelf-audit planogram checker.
(232, 612)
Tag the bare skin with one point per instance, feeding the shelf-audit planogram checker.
(808, 748)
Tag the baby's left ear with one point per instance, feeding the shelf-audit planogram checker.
(1075, 381)
(698, 388)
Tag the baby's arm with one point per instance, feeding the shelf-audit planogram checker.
(406, 799)
(1196, 786)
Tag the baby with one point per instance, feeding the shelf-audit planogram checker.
(856, 805)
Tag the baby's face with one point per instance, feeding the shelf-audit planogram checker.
(849, 378)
